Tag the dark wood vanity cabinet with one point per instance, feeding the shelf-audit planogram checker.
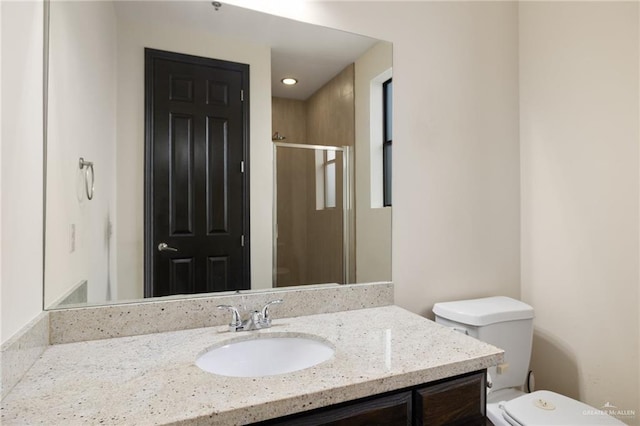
(393, 409)
(457, 400)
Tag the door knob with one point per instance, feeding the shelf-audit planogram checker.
(165, 247)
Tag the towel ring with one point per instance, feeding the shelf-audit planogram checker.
(88, 165)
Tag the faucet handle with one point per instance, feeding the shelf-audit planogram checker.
(265, 310)
(236, 320)
(257, 319)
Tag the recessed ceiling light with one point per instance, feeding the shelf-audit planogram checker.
(289, 81)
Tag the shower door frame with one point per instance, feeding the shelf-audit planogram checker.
(347, 203)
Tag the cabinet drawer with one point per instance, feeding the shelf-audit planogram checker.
(392, 410)
(459, 401)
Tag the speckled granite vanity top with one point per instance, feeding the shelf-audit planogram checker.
(153, 379)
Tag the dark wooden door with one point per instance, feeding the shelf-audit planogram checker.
(196, 175)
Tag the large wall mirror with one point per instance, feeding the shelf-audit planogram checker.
(178, 162)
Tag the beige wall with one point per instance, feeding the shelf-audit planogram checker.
(82, 70)
(580, 162)
(373, 233)
(21, 167)
(1, 138)
(132, 39)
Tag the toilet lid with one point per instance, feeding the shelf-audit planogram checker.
(543, 408)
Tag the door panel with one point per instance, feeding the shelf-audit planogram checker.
(196, 193)
(218, 271)
(181, 175)
(217, 160)
(182, 275)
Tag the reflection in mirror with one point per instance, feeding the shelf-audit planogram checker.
(182, 112)
(312, 193)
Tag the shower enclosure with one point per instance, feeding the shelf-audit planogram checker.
(312, 217)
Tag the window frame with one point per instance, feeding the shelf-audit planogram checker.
(387, 141)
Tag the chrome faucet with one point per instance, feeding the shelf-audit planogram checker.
(256, 321)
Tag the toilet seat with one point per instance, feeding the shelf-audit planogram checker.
(545, 408)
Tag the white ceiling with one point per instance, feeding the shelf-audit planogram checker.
(309, 53)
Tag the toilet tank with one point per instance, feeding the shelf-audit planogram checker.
(500, 321)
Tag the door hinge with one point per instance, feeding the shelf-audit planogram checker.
(242, 95)
(242, 240)
(242, 167)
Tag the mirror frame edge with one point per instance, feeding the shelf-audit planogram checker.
(45, 116)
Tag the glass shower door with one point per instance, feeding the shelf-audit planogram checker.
(311, 215)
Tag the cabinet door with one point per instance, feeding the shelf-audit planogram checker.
(392, 410)
(459, 401)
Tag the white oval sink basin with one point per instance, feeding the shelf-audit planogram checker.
(264, 356)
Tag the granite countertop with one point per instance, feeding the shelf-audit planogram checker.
(153, 379)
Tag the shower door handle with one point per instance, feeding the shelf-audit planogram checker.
(165, 247)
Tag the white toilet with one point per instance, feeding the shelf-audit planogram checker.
(508, 324)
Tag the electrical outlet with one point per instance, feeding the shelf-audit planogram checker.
(72, 238)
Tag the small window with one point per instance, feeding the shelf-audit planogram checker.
(325, 179)
(330, 179)
(387, 120)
